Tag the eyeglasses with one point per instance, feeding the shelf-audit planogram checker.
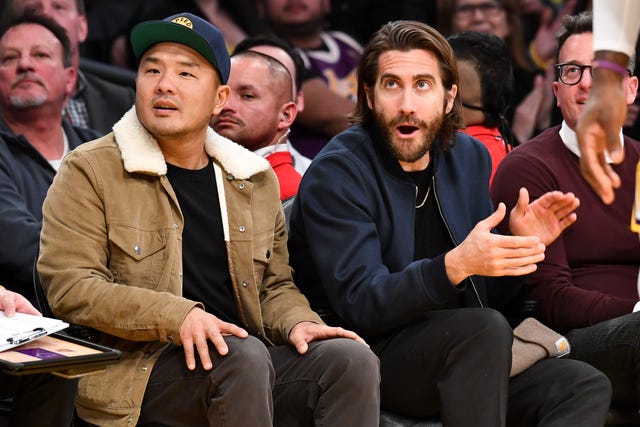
(489, 9)
(571, 74)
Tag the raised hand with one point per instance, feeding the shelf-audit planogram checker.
(545, 218)
(487, 254)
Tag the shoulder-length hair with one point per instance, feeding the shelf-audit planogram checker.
(404, 36)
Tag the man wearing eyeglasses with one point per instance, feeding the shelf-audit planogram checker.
(587, 285)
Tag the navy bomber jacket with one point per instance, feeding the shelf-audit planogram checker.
(352, 232)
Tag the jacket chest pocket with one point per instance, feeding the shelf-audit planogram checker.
(138, 257)
(262, 252)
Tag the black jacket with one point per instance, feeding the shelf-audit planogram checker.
(25, 177)
(106, 102)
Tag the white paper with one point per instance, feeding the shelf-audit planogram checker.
(22, 328)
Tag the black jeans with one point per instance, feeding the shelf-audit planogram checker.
(40, 400)
(612, 346)
(336, 383)
(456, 364)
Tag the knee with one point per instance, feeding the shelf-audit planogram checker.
(352, 361)
(249, 358)
(488, 326)
(250, 351)
(585, 378)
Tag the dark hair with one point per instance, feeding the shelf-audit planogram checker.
(404, 36)
(490, 59)
(275, 41)
(58, 31)
(580, 24)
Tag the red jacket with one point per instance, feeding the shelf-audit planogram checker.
(288, 176)
(494, 142)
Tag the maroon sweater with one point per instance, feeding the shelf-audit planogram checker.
(590, 272)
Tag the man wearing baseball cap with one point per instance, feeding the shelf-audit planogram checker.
(170, 241)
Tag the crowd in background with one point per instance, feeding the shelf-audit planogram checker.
(529, 31)
(513, 94)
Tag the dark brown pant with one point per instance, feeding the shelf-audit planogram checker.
(335, 384)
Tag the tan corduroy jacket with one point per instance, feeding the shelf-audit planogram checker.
(111, 256)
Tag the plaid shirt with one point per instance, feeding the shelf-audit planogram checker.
(76, 111)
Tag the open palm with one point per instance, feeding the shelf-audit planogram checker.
(545, 217)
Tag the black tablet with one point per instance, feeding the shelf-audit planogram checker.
(59, 354)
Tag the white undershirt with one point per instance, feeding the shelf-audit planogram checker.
(55, 164)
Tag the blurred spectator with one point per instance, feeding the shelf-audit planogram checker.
(331, 59)
(259, 112)
(96, 103)
(111, 21)
(282, 51)
(36, 78)
(486, 80)
(532, 100)
(361, 18)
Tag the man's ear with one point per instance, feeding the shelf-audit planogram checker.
(288, 113)
(632, 89)
(451, 96)
(554, 86)
(367, 93)
(71, 78)
(221, 98)
(82, 28)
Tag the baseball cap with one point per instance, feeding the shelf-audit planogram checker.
(187, 29)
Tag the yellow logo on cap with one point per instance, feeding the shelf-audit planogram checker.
(183, 20)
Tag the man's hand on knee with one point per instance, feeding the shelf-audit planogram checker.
(200, 326)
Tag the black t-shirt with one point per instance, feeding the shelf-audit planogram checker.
(204, 254)
(431, 237)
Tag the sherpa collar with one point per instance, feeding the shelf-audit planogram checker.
(141, 152)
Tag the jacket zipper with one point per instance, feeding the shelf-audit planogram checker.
(435, 194)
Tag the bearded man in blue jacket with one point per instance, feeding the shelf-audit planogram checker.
(391, 235)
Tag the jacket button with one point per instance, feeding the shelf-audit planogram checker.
(267, 254)
(242, 229)
(229, 177)
(245, 283)
(144, 368)
(241, 186)
(137, 250)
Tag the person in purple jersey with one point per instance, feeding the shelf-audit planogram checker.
(331, 59)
